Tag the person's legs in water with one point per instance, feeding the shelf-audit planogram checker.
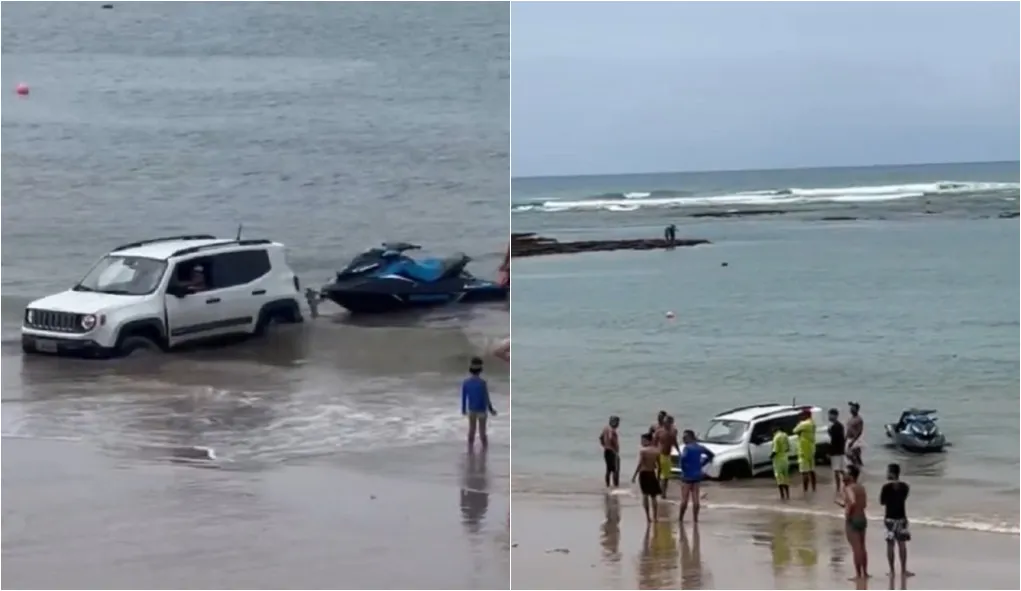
(665, 473)
(616, 471)
(781, 471)
(696, 501)
(610, 459)
(685, 494)
(472, 423)
(483, 437)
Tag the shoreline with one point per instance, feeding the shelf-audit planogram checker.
(602, 542)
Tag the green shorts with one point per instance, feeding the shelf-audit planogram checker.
(782, 472)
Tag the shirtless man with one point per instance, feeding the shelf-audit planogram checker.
(610, 441)
(854, 501)
(660, 417)
(854, 430)
(666, 440)
(645, 473)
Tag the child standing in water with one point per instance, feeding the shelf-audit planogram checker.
(781, 457)
(475, 404)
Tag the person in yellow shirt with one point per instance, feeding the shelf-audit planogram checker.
(805, 430)
(781, 457)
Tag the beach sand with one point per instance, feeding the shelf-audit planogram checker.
(601, 542)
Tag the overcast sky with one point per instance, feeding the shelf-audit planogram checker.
(604, 88)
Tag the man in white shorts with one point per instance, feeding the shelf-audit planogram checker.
(837, 451)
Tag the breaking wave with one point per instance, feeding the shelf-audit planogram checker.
(631, 201)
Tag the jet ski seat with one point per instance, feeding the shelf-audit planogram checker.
(454, 265)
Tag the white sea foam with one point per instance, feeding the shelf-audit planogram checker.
(773, 197)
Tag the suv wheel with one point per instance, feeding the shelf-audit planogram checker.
(735, 469)
(135, 344)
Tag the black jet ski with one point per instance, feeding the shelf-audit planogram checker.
(916, 431)
(385, 279)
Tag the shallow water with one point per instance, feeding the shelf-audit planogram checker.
(918, 311)
(331, 128)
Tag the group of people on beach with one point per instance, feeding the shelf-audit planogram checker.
(654, 469)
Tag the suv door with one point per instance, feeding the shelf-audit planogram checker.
(760, 445)
(236, 283)
(189, 316)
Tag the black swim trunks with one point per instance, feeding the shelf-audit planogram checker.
(612, 463)
(649, 483)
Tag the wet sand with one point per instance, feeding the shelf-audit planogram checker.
(77, 519)
(334, 466)
(601, 542)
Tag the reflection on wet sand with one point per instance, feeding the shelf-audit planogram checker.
(792, 541)
(474, 492)
(693, 576)
(609, 536)
(657, 565)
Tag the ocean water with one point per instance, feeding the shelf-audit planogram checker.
(892, 286)
(330, 127)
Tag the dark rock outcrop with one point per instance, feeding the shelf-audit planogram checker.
(530, 245)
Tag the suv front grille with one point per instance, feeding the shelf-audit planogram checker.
(54, 321)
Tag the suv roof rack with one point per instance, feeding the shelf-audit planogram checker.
(227, 242)
(750, 406)
(164, 239)
(783, 411)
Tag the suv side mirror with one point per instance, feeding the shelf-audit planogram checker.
(177, 290)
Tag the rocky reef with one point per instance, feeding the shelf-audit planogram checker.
(530, 245)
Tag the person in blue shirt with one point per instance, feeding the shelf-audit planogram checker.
(475, 404)
(693, 458)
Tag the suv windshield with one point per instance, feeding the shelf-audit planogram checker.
(124, 275)
(724, 431)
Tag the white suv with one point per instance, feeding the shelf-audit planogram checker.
(165, 292)
(741, 439)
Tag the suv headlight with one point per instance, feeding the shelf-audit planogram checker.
(29, 316)
(89, 321)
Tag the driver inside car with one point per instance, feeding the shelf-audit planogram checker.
(196, 280)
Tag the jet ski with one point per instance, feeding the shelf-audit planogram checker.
(916, 431)
(386, 279)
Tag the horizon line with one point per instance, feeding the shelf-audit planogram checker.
(770, 169)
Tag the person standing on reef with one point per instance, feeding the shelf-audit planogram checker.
(476, 405)
(670, 234)
(781, 456)
(805, 430)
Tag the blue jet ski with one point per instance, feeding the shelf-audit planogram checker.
(916, 431)
(385, 279)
